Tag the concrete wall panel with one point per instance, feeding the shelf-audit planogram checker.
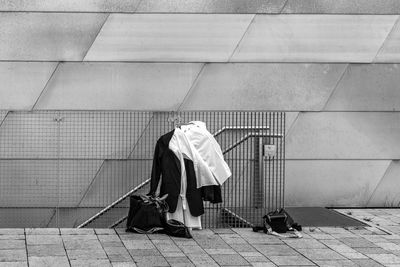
(264, 86)
(390, 51)
(367, 87)
(338, 183)
(210, 6)
(168, 37)
(314, 38)
(387, 191)
(345, 135)
(141, 86)
(342, 7)
(22, 83)
(47, 36)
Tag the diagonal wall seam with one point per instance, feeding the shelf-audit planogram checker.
(283, 8)
(4, 118)
(191, 87)
(97, 34)
(336, 86)
(387, 37)
(46, 85)
(379, 183)
(290, 129)
(241, 39)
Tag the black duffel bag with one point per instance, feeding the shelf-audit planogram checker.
(146, 214)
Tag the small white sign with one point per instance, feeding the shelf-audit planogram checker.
(270, 150)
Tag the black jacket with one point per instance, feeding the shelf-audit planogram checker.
(167, 166)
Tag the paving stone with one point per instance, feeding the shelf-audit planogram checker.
(124, 257)
(78, 237)
(233, 239)
(14, 264)
(173, 254)
(388, 245)
(90, 263)
(12, 244)
(46, 250)
(77, 231)
(202, 260)
(122, 231)
(12, 237)
(251, 259)
(144, 252)
(223, 231)
(321, 254)
(262, 264)
(105, 231)
(335, 263)
(112, 244)
(150, 261)
(367, 251)
(320, 236)
(304, 243)
(351, 255)
(115, 250)
(42, 231)
(192, 249)
(215, 251)
(109, 238)
(123, 264)
(358, 242)
(12, 255)
(12, 231)
(175, 260)
(43, 239)
(243, 247)
(59, 261)
(290, 260)
(342, 248)
(367, 263)
(276, 250)
(230, 260)
(138, 244)
(133, 236)
(385, 258)
(80, 254)
(159, 237)
(82, 244)
(267, 240)
(167, 248)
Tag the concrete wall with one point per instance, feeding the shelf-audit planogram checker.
(332, 65)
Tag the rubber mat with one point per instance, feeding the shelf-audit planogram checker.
(319, 216)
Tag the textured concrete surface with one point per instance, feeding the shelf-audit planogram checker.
(377, 244)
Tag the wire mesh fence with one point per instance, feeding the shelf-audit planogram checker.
(59, 168)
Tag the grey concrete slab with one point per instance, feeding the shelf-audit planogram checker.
(90, 263)
(49, 261)
(12, 255)
(46, 250)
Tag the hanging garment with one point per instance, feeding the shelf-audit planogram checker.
(208, 149)
(166, 172)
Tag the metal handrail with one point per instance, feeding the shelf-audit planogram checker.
(247, 136)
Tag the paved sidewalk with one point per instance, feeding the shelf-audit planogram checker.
(374, 245)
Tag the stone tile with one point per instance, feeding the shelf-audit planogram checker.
(184, 242)
(115, 250)
(77, 231)
(276, 250)
(159, 237)
(112, 244)
(109, 238)
(173, 254)
(138, 244)
(12, 244)
(123, 257)
(42, 231)
(264, 240)
(367, 263)
(320, 236)
(43, 239)
(388, 245)
(14, 264)
(251, 259)
(243, 247)
(59, 261)
(304, 243)
(351, 255)
(123, 264)
(144, 252)
(12, 255)
(192, 249)
(12, 231)
(342, 248)
(202, 260)
(167, 248)
(72, 244)
(367, 251)
(335, 263)
(78, 237)
(90, 263)
(12, 237)
(290, 260)
(262, 264)
(224, 231)
(385, 258)
(105, 231)
(176, 260)
(321, 254)
(80, 254)
(216, 251)
(46, 250)
(233, 239)
(357, 242)
(133, 236)
(122, 231)
(150, 261)
(230, 260)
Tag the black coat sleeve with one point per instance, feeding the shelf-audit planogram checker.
(156, 169)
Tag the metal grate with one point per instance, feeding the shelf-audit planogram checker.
(59, 168)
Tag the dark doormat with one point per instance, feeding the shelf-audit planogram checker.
(319, 216)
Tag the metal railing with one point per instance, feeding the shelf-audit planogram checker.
(58, 168)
